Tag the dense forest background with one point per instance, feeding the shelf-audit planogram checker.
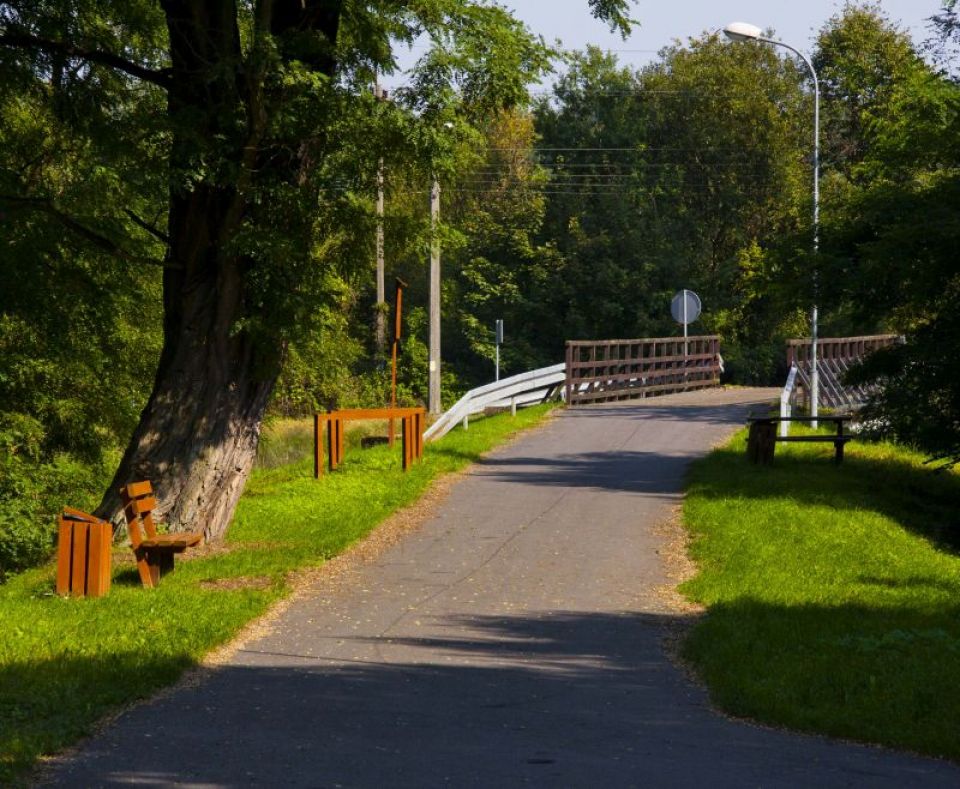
(570, 213)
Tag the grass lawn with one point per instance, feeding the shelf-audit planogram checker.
(65, 663)
(833, 593)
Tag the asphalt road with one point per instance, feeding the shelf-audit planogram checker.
(515, 639)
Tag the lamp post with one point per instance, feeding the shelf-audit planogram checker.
(742, 31)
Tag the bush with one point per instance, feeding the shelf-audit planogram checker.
(33, 488)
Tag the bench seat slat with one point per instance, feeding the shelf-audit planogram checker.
(184, 540)
(825, 439)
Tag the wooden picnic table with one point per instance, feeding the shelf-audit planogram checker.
(763, 437)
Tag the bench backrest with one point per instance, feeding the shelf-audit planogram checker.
(138, 506)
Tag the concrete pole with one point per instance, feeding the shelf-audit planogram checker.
(433, 399)
(380, 318)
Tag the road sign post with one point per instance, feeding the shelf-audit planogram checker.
(498, 332)
(685, 309)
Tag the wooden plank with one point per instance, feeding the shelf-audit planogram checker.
(64, 556)
(652, 375)
(98, 564)
(135, 489)
(143, 568)
(106, 566)
(317, 447)
(646, 361)
(636, 391)
(638, 341)
(144, 505)
(78, 558)
(149, 526)
(350, 414)
(824, 439)
(72, 514)
(331, 444)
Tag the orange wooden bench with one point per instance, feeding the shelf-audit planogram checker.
(154, 551)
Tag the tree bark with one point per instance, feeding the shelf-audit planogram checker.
(197, 436)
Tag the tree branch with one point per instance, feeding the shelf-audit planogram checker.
(145, 225)
(100, 241)
(159, 77)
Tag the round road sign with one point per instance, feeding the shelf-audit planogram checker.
(685, 307)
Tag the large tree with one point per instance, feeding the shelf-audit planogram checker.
(266, 118)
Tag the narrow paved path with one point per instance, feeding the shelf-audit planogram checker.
(515, 639)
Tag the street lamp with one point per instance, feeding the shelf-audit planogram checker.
(742, 31)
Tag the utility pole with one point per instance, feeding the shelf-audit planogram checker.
(433, 400)
(381, 307)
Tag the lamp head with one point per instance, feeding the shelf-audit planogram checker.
(742, 31)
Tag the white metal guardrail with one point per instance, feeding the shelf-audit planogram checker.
(787, 396)
(527, 388)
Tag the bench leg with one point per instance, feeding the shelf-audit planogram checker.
(153, 565)
(761, 442)
(838, 457)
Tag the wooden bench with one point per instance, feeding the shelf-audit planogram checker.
(154, 551)
(763, 437)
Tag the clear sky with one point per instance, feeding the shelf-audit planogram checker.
(662, 21)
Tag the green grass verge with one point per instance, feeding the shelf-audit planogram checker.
(833, 593)
(65, 663)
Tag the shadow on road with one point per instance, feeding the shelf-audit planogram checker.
(558, 699)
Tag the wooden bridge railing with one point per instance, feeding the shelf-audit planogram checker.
(605, 370)
(847, 349)
(836, 355)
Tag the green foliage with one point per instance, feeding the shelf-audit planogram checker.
(861, 57)
(79, 316)
(831, 592)
(65, 663)
(892, 232)
(686, 174)
(34, 484)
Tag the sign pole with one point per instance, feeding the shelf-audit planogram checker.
(497, 339)
(685, 351)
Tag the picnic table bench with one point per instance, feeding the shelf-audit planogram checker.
(762, 438)
(154, 552)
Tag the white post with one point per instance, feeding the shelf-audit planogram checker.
(815, 377)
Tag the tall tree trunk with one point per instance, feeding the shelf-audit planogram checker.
(198, 434)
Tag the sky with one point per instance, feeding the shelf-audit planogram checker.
(663, 21)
